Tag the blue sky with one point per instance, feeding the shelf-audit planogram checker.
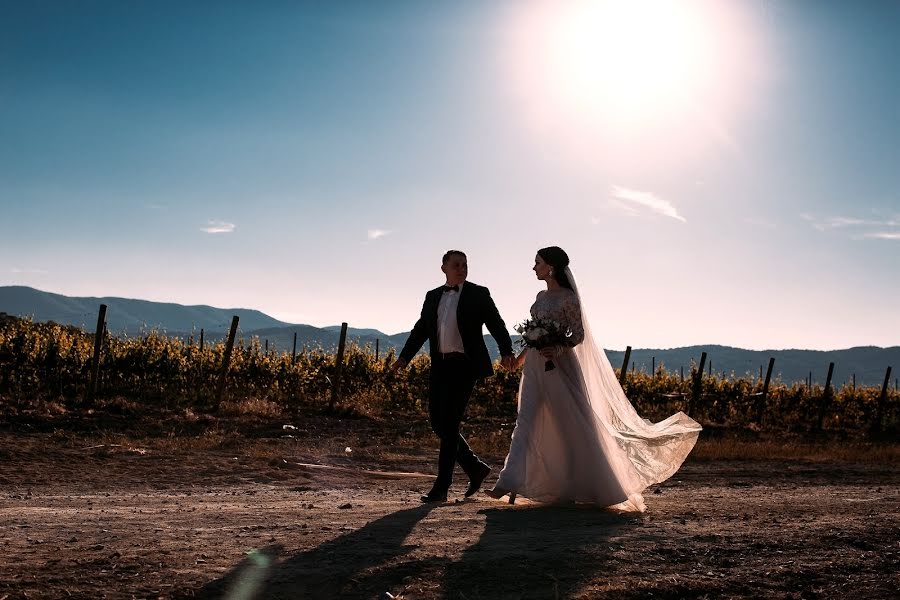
(719, 172)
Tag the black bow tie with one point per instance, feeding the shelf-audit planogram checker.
(451, 288)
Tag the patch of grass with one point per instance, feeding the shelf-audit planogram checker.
(492, 439)
(718, 449)
(246, 407)
(254, 428)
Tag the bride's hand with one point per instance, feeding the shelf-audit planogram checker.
(549, 353)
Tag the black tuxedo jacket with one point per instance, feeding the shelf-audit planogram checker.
(475, 308)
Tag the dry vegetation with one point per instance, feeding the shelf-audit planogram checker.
(46, 368)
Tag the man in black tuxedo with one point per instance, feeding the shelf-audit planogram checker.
(451, 321)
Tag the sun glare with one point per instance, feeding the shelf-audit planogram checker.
(632, 60)
(631, 68)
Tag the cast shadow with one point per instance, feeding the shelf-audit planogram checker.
(522, 552)
(349, 566)
(536, 552)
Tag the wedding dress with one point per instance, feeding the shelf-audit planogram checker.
(577, 437)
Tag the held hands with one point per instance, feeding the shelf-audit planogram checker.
(520, 360)
(399, 365)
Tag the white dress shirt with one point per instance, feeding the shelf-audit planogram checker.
(449, 339)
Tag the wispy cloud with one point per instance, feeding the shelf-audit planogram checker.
(155, 207)
(27, 271)
(374, 234)
(824, 224)
(630, 201)
(858, 229)
(218, 227)
(883, 235)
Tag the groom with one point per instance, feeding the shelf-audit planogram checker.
(451, 321)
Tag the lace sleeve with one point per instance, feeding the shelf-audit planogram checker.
(572, 312)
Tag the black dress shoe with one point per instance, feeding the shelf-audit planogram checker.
(477, 479)
(434, 497)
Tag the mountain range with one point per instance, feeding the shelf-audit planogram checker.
(134, 317)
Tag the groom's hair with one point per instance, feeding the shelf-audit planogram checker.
(450, 253)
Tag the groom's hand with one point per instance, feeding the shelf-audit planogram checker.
(398, 365)
(508, 362)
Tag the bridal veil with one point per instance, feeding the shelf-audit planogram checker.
(651, 452)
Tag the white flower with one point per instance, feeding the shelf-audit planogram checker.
(536, 333)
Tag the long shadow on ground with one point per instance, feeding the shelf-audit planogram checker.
(342, 567)
(523, 552)
(535, 552)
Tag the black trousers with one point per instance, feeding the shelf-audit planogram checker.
(451, 384)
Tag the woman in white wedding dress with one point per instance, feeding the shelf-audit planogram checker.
(577, 437)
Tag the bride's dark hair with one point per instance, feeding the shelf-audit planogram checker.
(557, 258)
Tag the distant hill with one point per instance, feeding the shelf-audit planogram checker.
(868, 363)
(354, 331)
(282, 338)
(132, 317)
(125, 314)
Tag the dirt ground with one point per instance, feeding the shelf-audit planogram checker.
(267, 520)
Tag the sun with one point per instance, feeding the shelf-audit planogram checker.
(628, 59)
(628, 67)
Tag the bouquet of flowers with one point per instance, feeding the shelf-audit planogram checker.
(543, 333)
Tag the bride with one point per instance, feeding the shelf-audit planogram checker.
(577, 438)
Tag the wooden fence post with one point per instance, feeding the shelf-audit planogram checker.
(226, 360)
(98, 344)
(200, 361)
(653, 366)
(338, 367)
(624, 370)
(761, 400)
(697, 386)
(882, 400)
(768, 375)
(294, 351)
(376, 349)
(826, 396)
